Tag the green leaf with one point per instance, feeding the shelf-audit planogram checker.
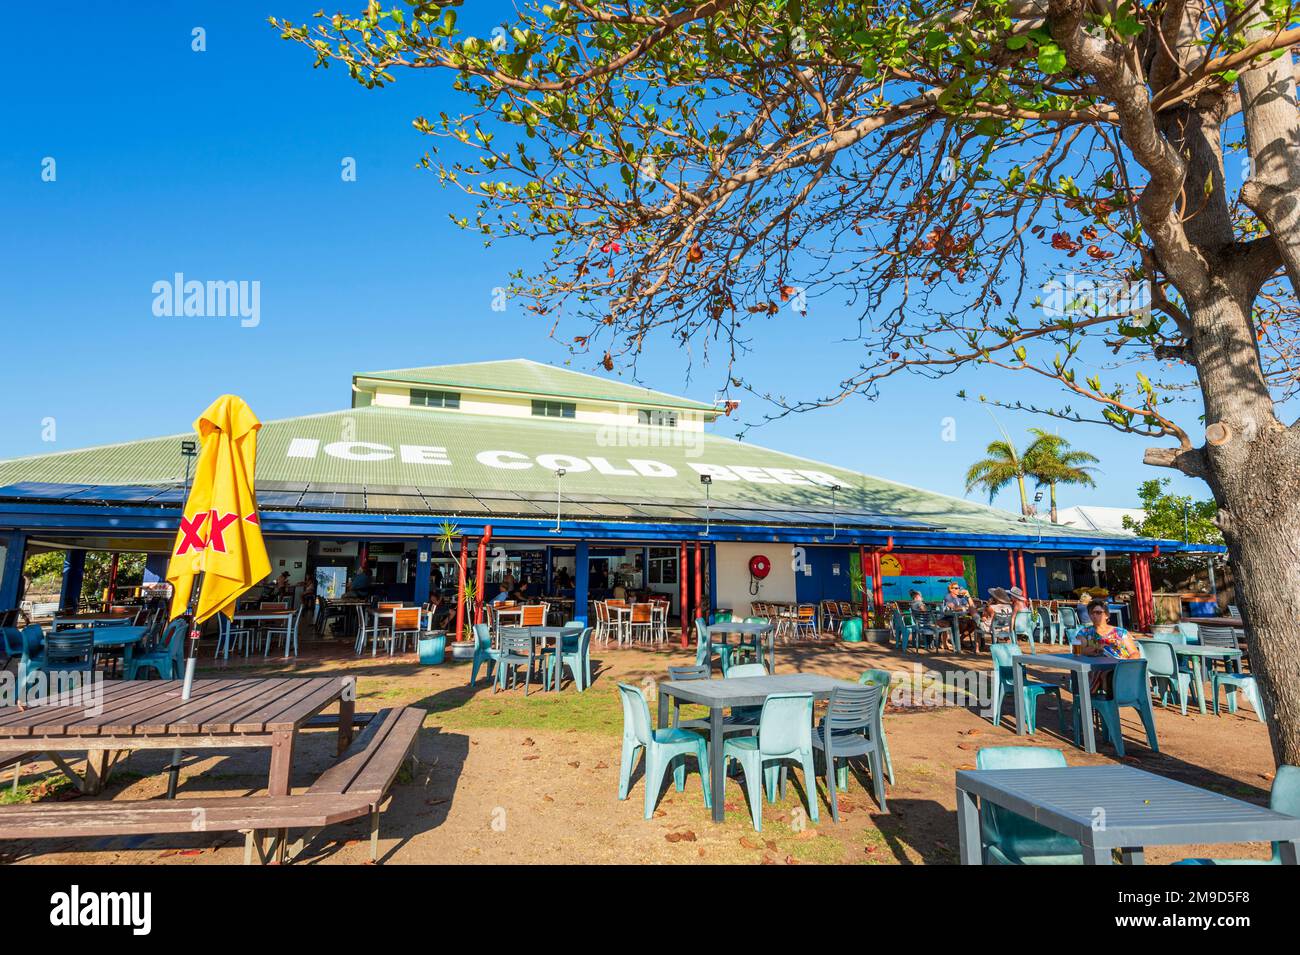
(1051, 58)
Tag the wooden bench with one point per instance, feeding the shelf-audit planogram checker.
(353, 788)
(369, 766)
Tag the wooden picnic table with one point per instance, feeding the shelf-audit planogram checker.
(116, 715)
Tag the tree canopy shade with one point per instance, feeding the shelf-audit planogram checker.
(698, 165)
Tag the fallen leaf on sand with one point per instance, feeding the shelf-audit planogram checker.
(528, 741)
(686, 836)
(534, 756)
(575, 764)
(602, 765)
(749, 843)
(965, 745)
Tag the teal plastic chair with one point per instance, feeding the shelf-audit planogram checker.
(746, 715)
(33, 646)
(69, 657)
(1049, 628)
(882, 679)
(1129, 687)
(1069, 623)
(1232, 682)
(1004, 685)
(483, 652)
(663, 748)
(751, 644)
(901, 628)
(851, 728)
(706, 649)
(784, 734)
(1191, 632)
(1165, 674)
(1009, 838)
(576, 655)
(1022, 628)
(13, 642)
(1284, 798)
(167, 658)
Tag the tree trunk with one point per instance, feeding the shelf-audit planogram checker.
(1024, 500)
(1051, 485)
(1252, 463)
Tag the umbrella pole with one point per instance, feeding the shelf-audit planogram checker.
(191, 661)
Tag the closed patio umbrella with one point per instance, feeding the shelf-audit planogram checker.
(218, 553)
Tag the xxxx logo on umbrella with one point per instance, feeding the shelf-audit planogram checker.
(192, 537)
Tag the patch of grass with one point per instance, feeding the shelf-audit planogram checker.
(596, 711)
(44, 787)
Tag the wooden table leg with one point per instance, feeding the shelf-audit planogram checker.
(281, 762)
(347, 710)
(96, 771)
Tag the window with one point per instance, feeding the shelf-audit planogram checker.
(660, 419)
(435, 399)
(663, 565)
(554, 409)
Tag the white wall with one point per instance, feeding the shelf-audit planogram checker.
(291, 552)
(734, 581)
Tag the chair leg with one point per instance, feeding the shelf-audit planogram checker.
(831, 785)
(702, 757)
(878, 782)
(626, 762)
(753, 770)
(1110, 719)
(810, 783)
(655, 767)
(1149, 723)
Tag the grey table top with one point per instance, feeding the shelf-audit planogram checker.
(1065, 661)
(1120, 806)
(1195, 649)
(739, 627)
(751, 690)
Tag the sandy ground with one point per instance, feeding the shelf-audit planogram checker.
(508, 779)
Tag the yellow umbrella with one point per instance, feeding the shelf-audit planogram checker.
(220, 536)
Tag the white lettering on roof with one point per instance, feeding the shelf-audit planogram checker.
(358, 451)
(419, 454)
(757, 475)
(424, 454)
(652, 468)
(604, 467)
(553, 462)
(719, 472)
(497, 459)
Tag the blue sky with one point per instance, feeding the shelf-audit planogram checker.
(225, 165)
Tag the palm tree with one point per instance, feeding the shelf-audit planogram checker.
(1003, 465)
(1049, 461)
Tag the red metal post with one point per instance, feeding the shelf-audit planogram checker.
(862, 566)
(1024, 586)
(482, 573)
(699, 584)
(460, 588)
(112, 582)
(878, 587)
(683, 590)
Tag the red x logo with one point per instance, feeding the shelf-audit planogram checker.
(193, 539)
(217, 535)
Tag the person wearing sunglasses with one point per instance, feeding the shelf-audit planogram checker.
(1102, 638)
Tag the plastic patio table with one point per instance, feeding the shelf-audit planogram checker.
(554, 634)
(1198, 654)
(1080, 667)
(757, 629)
(719, 695)
(1116, 807)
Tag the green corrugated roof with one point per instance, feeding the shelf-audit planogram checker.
(522, 376)
(464, 436)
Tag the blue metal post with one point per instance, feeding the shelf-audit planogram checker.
(423, 570)
(581, 573)
(74, 571)
(155, 568)
(11, 580)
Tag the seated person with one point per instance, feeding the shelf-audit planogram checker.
(1101, 638)
(360, 585)
(502, 594)
(918, 604)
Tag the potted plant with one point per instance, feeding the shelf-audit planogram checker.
(463, 649)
